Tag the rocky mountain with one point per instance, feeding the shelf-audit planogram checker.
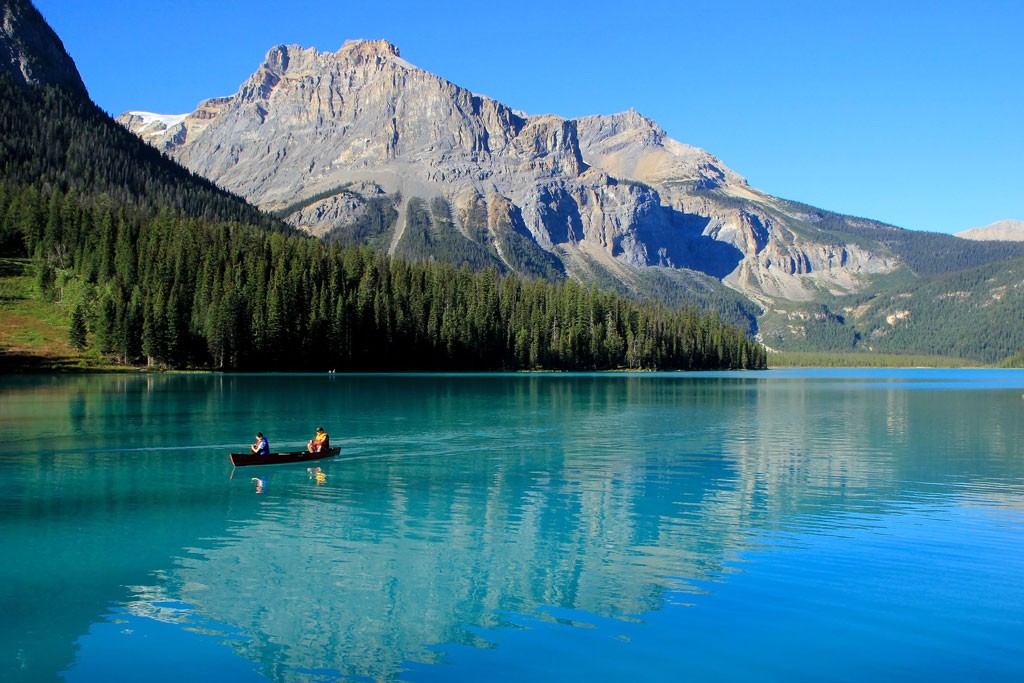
(360, 146)
(1006, 231)
(31, 52)
(314, 134)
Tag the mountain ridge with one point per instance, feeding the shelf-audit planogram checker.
(1006, 230)
(609, 201)
(608, 196)
(143, 262)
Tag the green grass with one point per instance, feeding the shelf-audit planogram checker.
(33, 331)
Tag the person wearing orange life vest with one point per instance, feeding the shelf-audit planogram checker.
(320, 441)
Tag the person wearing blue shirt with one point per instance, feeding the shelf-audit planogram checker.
(262, 446)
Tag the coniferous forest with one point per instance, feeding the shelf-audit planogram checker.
(160, 267)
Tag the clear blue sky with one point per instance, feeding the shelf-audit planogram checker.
(906, 111)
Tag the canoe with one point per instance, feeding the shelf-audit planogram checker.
(243, 459)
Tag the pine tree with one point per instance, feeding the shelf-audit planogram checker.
(77, 333)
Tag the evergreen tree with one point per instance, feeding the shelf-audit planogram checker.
(77, 333)
(180, 274)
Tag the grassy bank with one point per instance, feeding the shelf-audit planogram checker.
(33, 331)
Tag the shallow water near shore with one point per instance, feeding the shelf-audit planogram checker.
(839, 525)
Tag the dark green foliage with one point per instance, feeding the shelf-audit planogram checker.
(77, 333)
(680, 288)
(431, 235)
(181, 292)
(54, 140)
(861, 360)
(631, 183)
(972, 314)
(523, 254)
(474, 223)
(820, 330)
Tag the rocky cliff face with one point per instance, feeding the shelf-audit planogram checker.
(31, 52)
(610, 195)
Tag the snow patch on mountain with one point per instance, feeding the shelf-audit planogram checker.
(167, 120)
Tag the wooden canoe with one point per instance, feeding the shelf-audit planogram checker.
(243, 459)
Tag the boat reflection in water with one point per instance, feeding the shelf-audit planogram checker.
(401, 559)
(604, 528)
(317, 474)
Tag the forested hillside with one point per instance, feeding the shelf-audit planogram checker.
(972, 314)
(157, 266)
(186, 292)
(56, 141)
(925, 253)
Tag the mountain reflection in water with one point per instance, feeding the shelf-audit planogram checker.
(467, 508)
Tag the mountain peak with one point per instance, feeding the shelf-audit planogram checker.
(362, 46)
(634, 119)
(631, 145)
(609, 193)
(30, 50)
(279, 58)
(282, 58)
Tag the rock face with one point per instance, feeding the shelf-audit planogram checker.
(606, 195)
(1007, 231)
(31, 52)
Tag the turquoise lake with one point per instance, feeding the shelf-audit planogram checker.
(757, 526)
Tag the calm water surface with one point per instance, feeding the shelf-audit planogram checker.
(778, 526)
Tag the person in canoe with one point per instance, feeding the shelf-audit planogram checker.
(320, 442)
(262, 446)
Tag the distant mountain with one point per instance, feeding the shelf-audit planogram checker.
(325, 138)
(362, 146)
(135, 260)
(31, 52)
(973, 313)
(1007, 231)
